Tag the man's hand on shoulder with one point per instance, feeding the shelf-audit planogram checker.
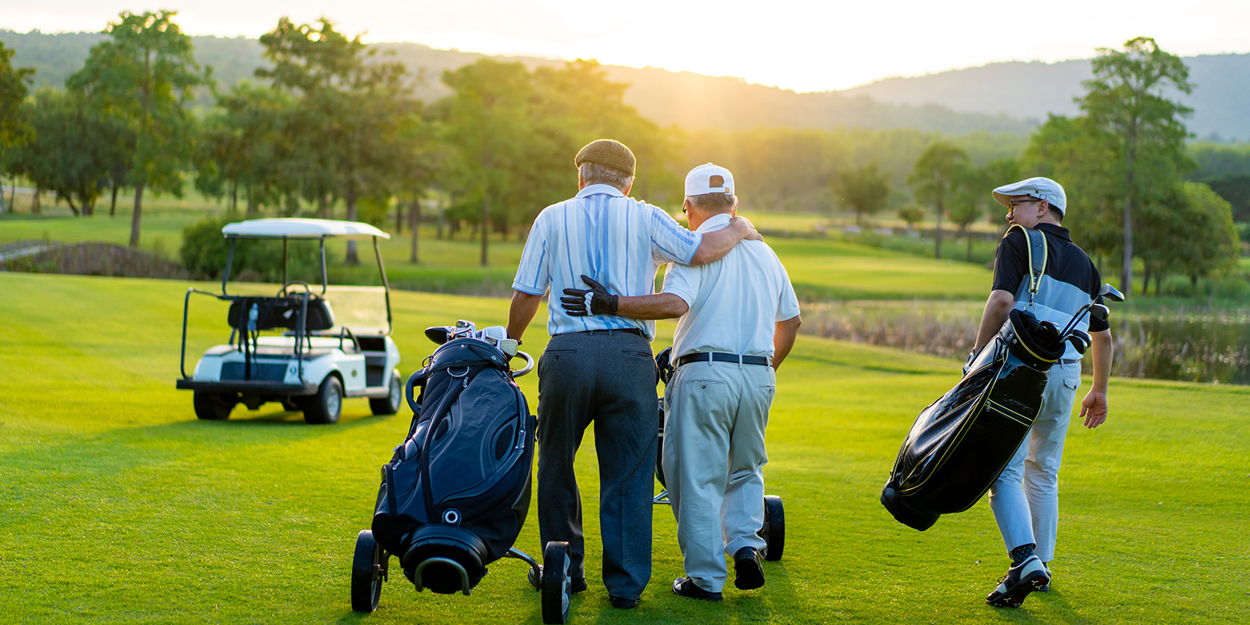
(748, 228)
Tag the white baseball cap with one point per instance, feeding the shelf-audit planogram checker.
(1040, 188)
(709, 178)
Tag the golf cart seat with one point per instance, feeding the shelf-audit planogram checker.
(274, 313)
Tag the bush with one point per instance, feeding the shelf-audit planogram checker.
(204, 252)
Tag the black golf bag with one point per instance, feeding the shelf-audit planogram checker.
(455, 494)
(960, 443)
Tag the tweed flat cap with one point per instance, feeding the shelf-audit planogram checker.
(607, 152)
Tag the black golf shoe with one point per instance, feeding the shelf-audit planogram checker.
(685, 587)
(748, 571)
(1020, 580)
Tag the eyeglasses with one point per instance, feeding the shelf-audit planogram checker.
(1011, 206)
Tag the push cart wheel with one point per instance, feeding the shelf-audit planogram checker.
(368, 573)
(324, 407)
(212, 406)
(394, 397)
(557, 585)
(774, 530)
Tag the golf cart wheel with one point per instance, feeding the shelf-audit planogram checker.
(556, 583)
(368, 572)
(394, 397)
(213, 406)
(325, 406)
(774, 530)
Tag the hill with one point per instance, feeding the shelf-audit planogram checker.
(1010, 97)
(669, 98)
(1032, 90)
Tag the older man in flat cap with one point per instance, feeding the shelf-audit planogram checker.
(599, 368)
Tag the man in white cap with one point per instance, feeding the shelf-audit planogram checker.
(1025, 497)
(739, 319)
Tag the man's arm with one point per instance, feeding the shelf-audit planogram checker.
(997, 307)
(717, 243)
(657, 306)
(783, 339)
(1094, 406)
(521, 312)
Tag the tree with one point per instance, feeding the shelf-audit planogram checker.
(244, 145)
(1196, 236)
(488, 120)
(71, 152)
(935, 176)
(1127, 106)
(350, 110)
(865, 189)
(145, 75)
(14, 130)
(912, 214)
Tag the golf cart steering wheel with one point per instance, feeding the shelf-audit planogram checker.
(282, 292)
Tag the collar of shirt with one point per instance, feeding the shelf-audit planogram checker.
(595, 189)
(1058, 231)
(715, 222)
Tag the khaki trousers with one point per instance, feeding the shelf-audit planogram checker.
(713, 458)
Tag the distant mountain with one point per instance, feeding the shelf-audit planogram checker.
(998, 98)
(681, 98)
(1221, 97)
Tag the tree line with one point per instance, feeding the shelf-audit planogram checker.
(332, 125)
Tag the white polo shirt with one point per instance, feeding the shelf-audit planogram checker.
(614, 239)
(735, 302)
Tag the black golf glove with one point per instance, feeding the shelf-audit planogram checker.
(585, 302)
(664, 365)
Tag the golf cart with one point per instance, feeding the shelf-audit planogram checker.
(290, 347)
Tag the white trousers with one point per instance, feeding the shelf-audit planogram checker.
(1025, 497)
(713, 461)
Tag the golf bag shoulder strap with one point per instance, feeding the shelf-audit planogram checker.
(1038, 256)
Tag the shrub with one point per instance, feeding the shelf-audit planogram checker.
(204, 252)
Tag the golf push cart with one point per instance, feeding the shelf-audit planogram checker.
(290, 347)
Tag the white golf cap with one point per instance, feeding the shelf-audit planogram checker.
(709, 178)
(1040, 188)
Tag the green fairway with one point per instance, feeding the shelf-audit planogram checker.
(118, 506)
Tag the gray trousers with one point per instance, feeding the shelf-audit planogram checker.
(607, 379)
(713, 460)
(1025, 497)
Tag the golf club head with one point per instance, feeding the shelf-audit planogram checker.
(1110, 293)
(1099, 312)
(1079, 340)
(438, 334)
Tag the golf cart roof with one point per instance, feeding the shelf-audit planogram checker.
(298, 228)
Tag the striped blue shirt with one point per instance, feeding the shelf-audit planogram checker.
(617, 240)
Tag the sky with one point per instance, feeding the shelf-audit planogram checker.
(810, 45)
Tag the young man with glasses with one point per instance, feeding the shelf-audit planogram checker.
(1025, 497)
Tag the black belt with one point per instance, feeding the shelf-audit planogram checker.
(1069, 361)
(721, 357)
(635, 331)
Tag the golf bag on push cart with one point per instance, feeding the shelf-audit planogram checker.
(960, 443)
(774, 530)
(456, 492)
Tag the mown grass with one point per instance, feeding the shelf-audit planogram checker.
(118, 506)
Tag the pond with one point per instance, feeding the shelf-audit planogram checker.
(1176, 344)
